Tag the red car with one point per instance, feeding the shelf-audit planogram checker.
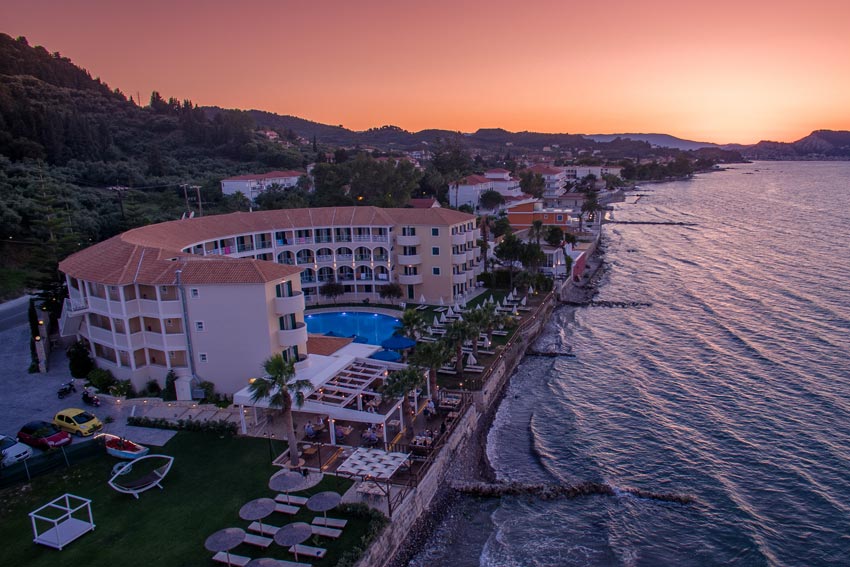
(43, 435)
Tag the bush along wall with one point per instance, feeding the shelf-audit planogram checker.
(218, 427)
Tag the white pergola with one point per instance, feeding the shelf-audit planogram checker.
(342, 387)
(373, 463)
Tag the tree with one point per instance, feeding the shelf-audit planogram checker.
(532, 183)
(509, 251)
(590, 207)
(391, 291)
(457, 333)
(536, 230)
(282, 390)
(501, 226)
(531, 256)
(332, 290)
(478, 320)
(491, 199)
(80, 362)
(431, 356)
(412, 324)
(399, 384)
(554, 236)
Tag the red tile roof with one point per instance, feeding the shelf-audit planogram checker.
(497, 170)
(475, 180)
(152, 254)
(422, 203)
(544, 169)
(320, 344)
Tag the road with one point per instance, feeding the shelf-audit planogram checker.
(13, 313)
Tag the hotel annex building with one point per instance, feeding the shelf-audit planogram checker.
(213, 297)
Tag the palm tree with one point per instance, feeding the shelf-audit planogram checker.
(412, 324)
(478, 320)
(456, 334)
(279, 386)
(536, 231)
(431, 356)
(398, 384)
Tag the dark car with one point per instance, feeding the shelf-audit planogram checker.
(43, 435)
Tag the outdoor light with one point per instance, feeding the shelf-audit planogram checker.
(37, 338)
(41, 322)
(251, 380)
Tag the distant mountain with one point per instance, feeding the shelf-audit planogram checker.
(819, 145)
(656, 140)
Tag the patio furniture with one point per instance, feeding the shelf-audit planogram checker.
(325, 531)
(136, 486)
(290, 535)
(324, 501)
(290, 481)
(263, 529)
(308, 550)
(330, 522)
(222, 542)
(257, 510)
(269, 562)
(69, 517)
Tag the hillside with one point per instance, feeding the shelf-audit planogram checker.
(657, 140)
(819, 145)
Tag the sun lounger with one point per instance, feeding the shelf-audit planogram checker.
(501, 333)
(330, 522)
(474, 369)
(231, 559)
(145, 482)
(308, 550)
(264, 529)
(283, 563)
(258, 540)
(422, 308)
(332, 533)
(286, 509)
(441, 309)
(289, 499)
(428, 339)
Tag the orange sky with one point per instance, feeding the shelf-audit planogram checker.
(717, 71)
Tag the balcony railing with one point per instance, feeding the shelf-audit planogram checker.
(324, 238)
(244, 247)
(363, 257)
(324, 258)
(380, 238)
(344, 257)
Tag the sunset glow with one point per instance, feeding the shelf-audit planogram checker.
(719, 71)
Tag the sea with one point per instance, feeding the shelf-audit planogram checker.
(727, 382)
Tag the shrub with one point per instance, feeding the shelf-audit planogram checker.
(209, 390)
(123, 388)
(80, 362)
(169, 394)
(216, 427)
(376, 523)
(101, 379)
(153, 389)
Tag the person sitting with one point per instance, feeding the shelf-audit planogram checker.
(339, 432)
(430, 409)
(309, 431)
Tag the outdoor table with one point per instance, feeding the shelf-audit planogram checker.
(293, 534)
(257, 510)
(225, 540)
(324, 501)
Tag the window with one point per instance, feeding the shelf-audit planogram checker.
(559, 218)
(195, 293)
(435, 232)
(199, 326)
(435, 251)
(435, 270)
(202, 357)
(169, 322)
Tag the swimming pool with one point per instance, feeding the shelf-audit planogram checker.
(371, 328)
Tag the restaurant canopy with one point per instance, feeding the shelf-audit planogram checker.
(397, 342)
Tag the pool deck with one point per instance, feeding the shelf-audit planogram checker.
(394, 313)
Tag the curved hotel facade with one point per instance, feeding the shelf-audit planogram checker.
(211, 298)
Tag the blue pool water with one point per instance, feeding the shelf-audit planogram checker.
(371, 327)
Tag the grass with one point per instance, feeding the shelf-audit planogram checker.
(211, 479)
(12, 283)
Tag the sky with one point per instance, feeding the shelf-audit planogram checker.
(717, 71)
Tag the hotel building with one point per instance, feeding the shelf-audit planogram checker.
(213, 297)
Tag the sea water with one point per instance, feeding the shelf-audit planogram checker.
(731, 386)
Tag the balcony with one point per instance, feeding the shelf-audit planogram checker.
(264, 244)
(472, 254)
(100, 335)
(287, 305)
(362, 238)
(324, 259)
(408, 240)
(244, 247)
(459, 258)
(293, 337)
(459, 239)
(324, 239)
(363, 258)
(342, 238)
(459, 278)
(412, 279)
(409, 259)
(380, 238)
(382, 258)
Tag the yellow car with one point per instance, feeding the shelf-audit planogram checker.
(77, 421)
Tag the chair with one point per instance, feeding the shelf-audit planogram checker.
(138, 485)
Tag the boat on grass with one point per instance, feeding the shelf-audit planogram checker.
(122, 448)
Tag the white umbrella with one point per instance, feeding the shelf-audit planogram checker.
(422, 298)
(471, 359)
(514, 292)
(530, 289)
(443, 317)
(436, 321)
(510, 297)
(524, 300)
(441, 301)
(490, 300)
(459, 317)
(450, 313)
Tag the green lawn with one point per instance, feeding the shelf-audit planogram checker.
(211, 479)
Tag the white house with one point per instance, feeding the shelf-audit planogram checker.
(253, 184)
(503, 182)
(468, 190)
(554, 177)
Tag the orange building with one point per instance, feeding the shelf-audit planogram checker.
(523, 215)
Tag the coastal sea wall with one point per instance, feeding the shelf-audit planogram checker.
(465, 440)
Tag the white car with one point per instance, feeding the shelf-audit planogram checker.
(13, 452)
